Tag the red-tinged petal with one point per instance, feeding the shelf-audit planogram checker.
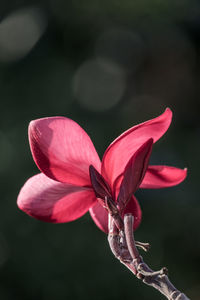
(99, 216)
(134, 172)
(120, 150)
(100, 186)
(62, 150)
(52, 201)
(133, 208)
(162, 176)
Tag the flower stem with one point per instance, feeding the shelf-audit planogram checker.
(124, 247)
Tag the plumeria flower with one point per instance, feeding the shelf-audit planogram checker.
(73, 180)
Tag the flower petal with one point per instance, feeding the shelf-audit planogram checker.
(100, 186)
(162, 176)
(62, 150)
(133, 208)
(120, 150)
(99, 216)
(52, 201)
(134, 173)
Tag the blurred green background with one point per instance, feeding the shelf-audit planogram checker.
(107, 65)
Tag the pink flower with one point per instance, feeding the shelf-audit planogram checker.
(74, 180)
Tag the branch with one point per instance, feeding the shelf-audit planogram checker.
(124, 248)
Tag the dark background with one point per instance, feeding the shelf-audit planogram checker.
(107, 65)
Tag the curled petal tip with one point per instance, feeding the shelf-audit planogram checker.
(186, 171)
(163, 176)
(130, 141)
(169, 111)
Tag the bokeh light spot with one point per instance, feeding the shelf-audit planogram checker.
(19, 32)
(98, 86)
